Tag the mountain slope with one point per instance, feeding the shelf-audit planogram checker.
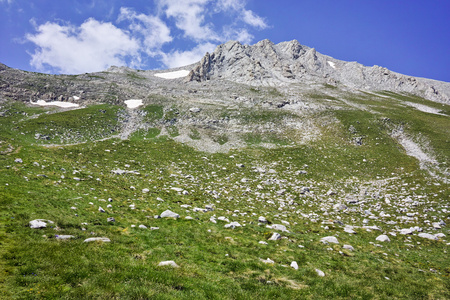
(289, 175)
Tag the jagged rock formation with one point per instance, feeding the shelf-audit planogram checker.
(267, 64)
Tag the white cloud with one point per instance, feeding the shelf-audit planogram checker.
(137, 39)
(152, 30)
(254, 20)
(94, 46)
(182, 58)
(189, 17)
(248, 16)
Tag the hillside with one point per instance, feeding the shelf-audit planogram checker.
(263, 172)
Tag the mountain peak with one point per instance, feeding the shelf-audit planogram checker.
(269, 64)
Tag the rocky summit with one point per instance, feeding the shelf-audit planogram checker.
(269, 64)
(266, 171)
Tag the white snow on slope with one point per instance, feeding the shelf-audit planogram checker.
(133, 103)
(173, 75)
(55, 103)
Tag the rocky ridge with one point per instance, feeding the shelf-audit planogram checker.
(269, 64)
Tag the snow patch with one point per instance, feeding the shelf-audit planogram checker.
(55, 103)
(173, 75)
(133, 103)
(76, 98)
(332, 64)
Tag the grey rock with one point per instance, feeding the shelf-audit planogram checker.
(267, 261)
(223, 219)
(111, 219)
(39, 223)
(275, 236)
(428, 236)
(64, 237)
(339, 206)
(383, 238)
(195, 109)
(279, 227)
(329, 239)
(97, 239)
(169, 214)
(262, 220)
(349, 229)
(320, 273)
(348, 247)
(168, 263)
(233, 225)
(406, 231)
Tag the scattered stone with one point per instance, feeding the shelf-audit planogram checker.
(169, 214)
(154, 228)
(39, 223)
(267, 261)
(168, 263)
(294, 265)
(145, 191)
(18, 160)
(437, 226)
(142, 226)
(275, 236)
(195, 109)
(428, 236)
(383, 238)
(111, 219)
(233, 225)
(100, 209)
(329, 239)
(97, 239)
(349, 229)
(64, 237)
(406, 231)
(278, 227)
(262, 220)
(339, 206)
(263, 243)
(349, 247)
(320, 273)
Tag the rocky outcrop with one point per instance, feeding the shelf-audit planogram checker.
(269, 64)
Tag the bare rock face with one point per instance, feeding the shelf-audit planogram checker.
(269, 64)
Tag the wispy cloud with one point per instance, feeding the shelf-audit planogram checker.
(151, 30)
(189, 17)
(137, 38)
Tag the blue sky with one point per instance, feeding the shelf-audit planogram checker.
(76, 36)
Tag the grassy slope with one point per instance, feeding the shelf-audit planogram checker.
(216, 262)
